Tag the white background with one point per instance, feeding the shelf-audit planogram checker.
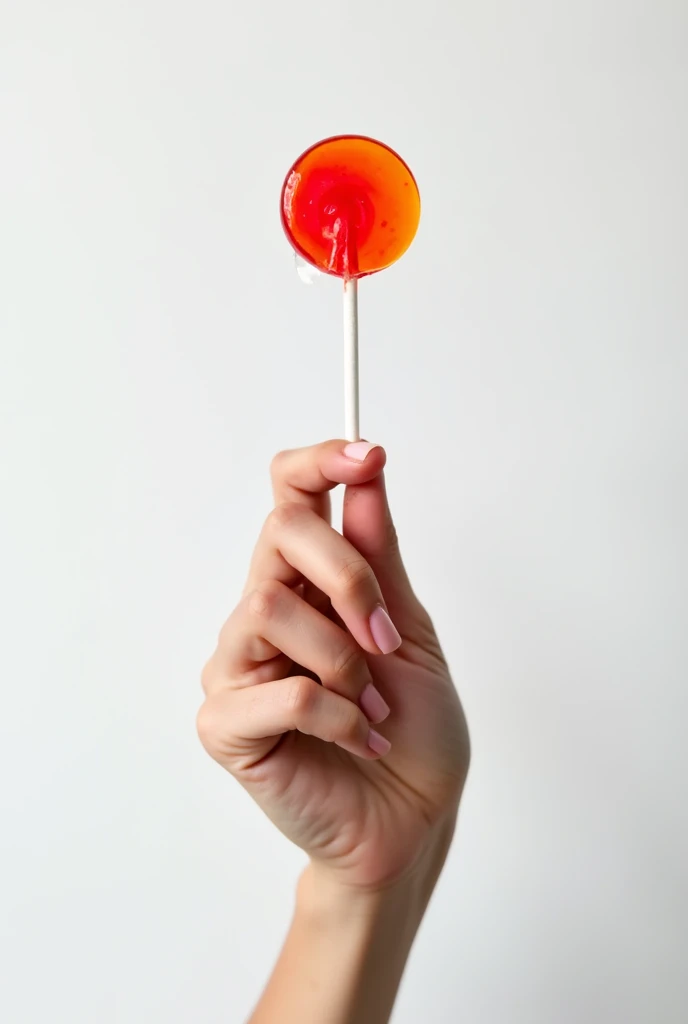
(526, 367)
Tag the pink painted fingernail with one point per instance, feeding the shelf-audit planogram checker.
(373, 704)
(385, 633)
(358, 450)
(378, 744)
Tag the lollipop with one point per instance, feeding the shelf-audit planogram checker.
(350, 207)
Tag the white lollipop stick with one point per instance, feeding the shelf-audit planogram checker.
(351, 419)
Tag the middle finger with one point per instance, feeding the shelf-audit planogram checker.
(274, 619)
(296, 545)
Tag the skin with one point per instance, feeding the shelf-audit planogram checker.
(286, 714)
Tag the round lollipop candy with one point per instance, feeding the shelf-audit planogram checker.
(350, 207)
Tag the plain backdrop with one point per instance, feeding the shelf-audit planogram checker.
(526, 367)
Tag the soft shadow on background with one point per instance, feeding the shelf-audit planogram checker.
(525, 366)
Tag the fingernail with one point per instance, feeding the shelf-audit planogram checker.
(378, 744)
(373, 704)
(358, 450)
(385, 633)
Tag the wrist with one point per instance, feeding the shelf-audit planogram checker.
(358, 942)
(326, 904)
(327, 897)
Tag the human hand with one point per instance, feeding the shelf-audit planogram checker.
(367, 809)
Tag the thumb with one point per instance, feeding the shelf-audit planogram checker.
(368, 525)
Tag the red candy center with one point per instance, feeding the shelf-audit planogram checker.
(341, 212)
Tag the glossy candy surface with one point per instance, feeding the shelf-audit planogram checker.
(350, 206)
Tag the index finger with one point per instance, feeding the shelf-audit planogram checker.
(307, 475)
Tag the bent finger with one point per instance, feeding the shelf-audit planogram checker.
(296, 544)
(239, 728)
(273, 619)
(306, 475)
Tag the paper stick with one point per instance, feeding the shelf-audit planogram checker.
(351, 417)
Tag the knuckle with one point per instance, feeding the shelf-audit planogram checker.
(216, 727)
(302, 697)
(263, 601)
(284, 515)
(350, 722)
(207, 675)
(206, 726)
(277, 465)
(349, 662)
(355, 575)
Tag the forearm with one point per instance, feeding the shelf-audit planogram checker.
(345, 953)
(343, 958)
